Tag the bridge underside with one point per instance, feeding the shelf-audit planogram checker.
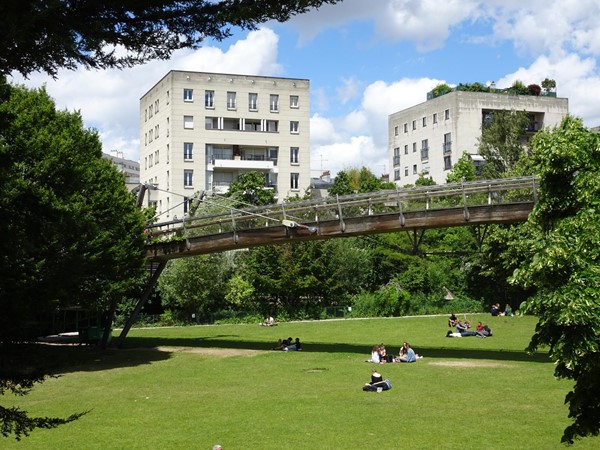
(354, 226)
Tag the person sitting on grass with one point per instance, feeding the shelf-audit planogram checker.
(407, 354)
(269, 322)
(377, 383)
(293, 347)
(508, 312)
(452, 321)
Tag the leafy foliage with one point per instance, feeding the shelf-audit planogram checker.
(462, 170)
(39, 35)
(250, 189)
(502, 142)
(70, 233)
(564, 266)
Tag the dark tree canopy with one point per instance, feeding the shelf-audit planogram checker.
(47, 35)
(70, 233)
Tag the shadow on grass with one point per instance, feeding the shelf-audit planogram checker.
(429, 352)
(56, 360)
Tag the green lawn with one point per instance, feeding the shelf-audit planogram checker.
(222, 384)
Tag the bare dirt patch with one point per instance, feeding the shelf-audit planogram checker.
(469, 364)
(222, 352)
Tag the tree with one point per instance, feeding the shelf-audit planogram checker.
(40, 35)
(341, 184)
(502, 142)
(548, 85)
(250, 189)
(70, 232)
(462, 170)
(195, 285)
(564, 266)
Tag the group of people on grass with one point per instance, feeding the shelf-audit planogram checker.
(288, 345)
(463, 329)
(379, 354)
(495, 310)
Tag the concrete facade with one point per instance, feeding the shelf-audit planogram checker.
(427, 139)
(199, 131)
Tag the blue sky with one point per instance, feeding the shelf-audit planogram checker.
(366, 60)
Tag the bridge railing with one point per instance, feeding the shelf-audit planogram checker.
(311, 212)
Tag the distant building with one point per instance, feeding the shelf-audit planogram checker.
(427, 139)
(200, 131)
(129, 168)
(319, 186)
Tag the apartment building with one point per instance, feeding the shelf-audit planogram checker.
(427, 139)
(200, 131)
(129, 168)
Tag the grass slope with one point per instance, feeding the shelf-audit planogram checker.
(222, 384)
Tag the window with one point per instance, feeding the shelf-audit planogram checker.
(446, 114)
(434, 117)
(294, 155)
(150, 111)
(293, 126)
(396, 174)
(414, 169)
(231, 102)
(188, 95)
(424, 149)
(156, 128)
(424, 121)
(447, 143)
(209, 99)
(168, 97)
(156, 153)
(406, 149)
(150, 136)
(274, 102)
(414, 124)
(145, 138)
(406, 127)
(272, 126)
(414, 147)
(156, 106)
(168, 128)
(188, 151)
(273, 153)
(252, 101)
(396, 130)
(405, 171)
(397, 156)
(188, 178)
(188, 122)
(447, 162)
(294, 101)
(146, 115)
(294, 177)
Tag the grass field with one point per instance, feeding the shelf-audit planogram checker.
(193, 387)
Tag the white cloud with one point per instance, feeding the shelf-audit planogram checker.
(349, 90)
(576, 78)
(360, 137)
(427, 23)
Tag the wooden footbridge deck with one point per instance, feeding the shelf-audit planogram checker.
(450, 205)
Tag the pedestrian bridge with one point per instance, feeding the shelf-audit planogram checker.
(473, 203)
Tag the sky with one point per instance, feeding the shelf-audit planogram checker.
(366, 60)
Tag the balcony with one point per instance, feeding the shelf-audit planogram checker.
(249, 162)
